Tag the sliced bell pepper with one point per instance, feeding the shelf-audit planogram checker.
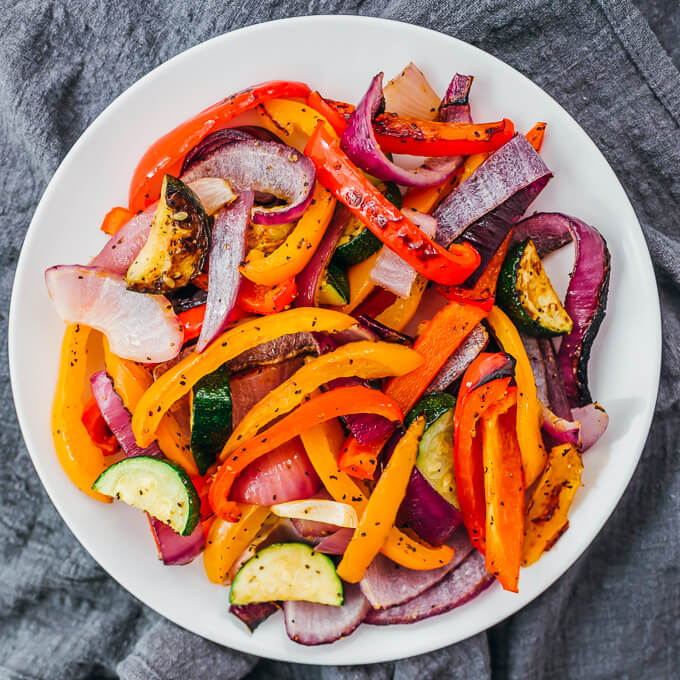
(178, 380)
(166, 154)
(529, 412)
(366, 359)
(322, 443)
(227, 540)
(483, 293)
(504, 492)
(546, 515)
(292, 121)
(99, 431)
(331, 114)
(536, 134)
(291, 257)
(360, 284)
(357, 459)
(378, 300)
(381, 511)
(399, 134)
(192, 322)
(341, 401)
(131, 380)
(402, 310)
(257, 299)
(115, 219)
(388, 223)
(81, 459)
(467, 449)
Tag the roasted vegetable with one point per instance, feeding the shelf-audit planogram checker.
(178, 242)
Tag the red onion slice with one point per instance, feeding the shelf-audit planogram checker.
(559, 430)
(139, 327)
(255, 613)
(336, 543)
(594, 421)
(557, 397)
(455, 107)
(537, 363)
(227, 250)
(309, 279)
(390, 270)
(454, 590)
(360, 144)
(386, 584)
(310, 623)
(175, 549)
(384, 332)
(249, 163)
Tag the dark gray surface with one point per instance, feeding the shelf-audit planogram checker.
(616, 613)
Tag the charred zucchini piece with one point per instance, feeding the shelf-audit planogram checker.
(178, 242)
(334, 288)
(526, 294)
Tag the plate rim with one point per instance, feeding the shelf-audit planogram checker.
(23, 262)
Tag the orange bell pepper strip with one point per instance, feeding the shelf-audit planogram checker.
(365, 359)
(166, 154)
(381, 511)
(483, 293)
(504, 492)
(227, 540)
(97, 428)
(546, 515)
(336, 172)
(357, 459)
(529, 411)
(256, 299)
(335, 403)
(535, 136)
(322, 442)
(81, 459)
(115, 219)
(131, 380)
(291, 257)
(438, 341)
(178, 381)
(330, 113)
(399, 134)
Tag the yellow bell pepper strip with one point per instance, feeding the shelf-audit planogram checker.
(529, 413)
(402, 310)
(80, 458)
(227, 540)
(337, 172)
(166, 154)
(504, 492)
(338, 402)
(366, 359)
(360, 284)
(381, 511)
(546, 516)
(179, 380)
(292, 121)
(131, 380)
(322, 443)
(291, 257)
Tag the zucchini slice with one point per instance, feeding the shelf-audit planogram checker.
(211, 417)
(435, 451)
(177, 245)
(357, 242)
(526, 294)
(287, 571)
(158, 486)
(334, 288)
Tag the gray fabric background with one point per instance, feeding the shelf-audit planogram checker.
(616, 613)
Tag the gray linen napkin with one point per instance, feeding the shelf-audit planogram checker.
(616, 612)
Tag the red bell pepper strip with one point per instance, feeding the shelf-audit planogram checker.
(438, 341)
(98, 430)
(483, 294)
(398, 134)
(378, 301)
(504, 491)
(192, 322)
(166, 154)
(115, 219)
(341, 401)
(256, 299)
(329, 112)
(535, 136)
(336, 172)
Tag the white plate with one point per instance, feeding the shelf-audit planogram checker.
(337, 55)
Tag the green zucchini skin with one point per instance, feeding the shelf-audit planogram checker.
(159, 486)
(521, 280)
(334, 289)
(211, 417)
(178, 242)
(432, 406)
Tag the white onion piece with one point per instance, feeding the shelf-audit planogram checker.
(139, 327)
(213, 193)
(409, 94)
